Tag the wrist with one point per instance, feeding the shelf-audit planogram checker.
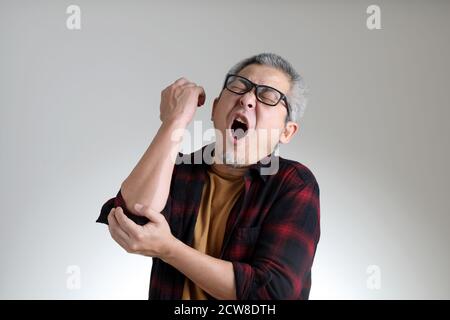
(174, 130)
(171, 250)
(175, 123)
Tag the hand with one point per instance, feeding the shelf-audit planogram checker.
(153, 239)
(180, 100)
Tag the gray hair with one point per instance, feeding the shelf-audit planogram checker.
(296, 97)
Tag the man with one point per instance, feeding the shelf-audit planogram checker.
(236, 227)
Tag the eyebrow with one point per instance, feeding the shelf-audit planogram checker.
(264, 84)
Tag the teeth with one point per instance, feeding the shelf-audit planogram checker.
(240, 120)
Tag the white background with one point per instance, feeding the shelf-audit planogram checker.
(78, 109)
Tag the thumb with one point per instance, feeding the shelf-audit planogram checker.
(201, 96)
(152, 215)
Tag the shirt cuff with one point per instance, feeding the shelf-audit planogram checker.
(243, 275)
(118, 201)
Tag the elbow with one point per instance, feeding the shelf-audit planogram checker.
(127, 198)
(270, 285)
(230, 295)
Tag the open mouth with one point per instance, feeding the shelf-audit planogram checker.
(239, 128)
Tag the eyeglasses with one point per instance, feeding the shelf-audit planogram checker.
(265, 94)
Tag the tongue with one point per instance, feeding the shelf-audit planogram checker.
(238, 133)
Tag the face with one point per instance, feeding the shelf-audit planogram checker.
(250, 129)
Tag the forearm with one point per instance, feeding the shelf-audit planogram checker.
(213, 275)
(149, 182)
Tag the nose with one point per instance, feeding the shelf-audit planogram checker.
(248, 100)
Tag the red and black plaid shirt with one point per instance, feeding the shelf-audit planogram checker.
(271, 233)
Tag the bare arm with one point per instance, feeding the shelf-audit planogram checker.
(213, 275)
(154, 239)
(149, 182)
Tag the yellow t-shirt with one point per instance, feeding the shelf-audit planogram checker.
(220, 192)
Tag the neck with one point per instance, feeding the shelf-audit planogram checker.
(228, 159)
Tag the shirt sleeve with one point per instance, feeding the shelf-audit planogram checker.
(281, 265)
(118, 201)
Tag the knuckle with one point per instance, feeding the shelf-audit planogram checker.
(134, 247)
(139, 237)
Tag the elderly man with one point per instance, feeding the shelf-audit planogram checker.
(236, 227)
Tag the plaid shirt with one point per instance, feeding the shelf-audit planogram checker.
(271, 233)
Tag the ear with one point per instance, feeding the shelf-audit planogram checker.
(289, 131)
(216, 100)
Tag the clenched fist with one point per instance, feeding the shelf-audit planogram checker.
(180, 100)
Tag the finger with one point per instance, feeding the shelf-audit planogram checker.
(152, 215)
(189, 85)
(201, 96)
(110, 215)
(181, 81)
(121, 241)
(118, 235)
(200, 91)
(115, 229)
(126, 224)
